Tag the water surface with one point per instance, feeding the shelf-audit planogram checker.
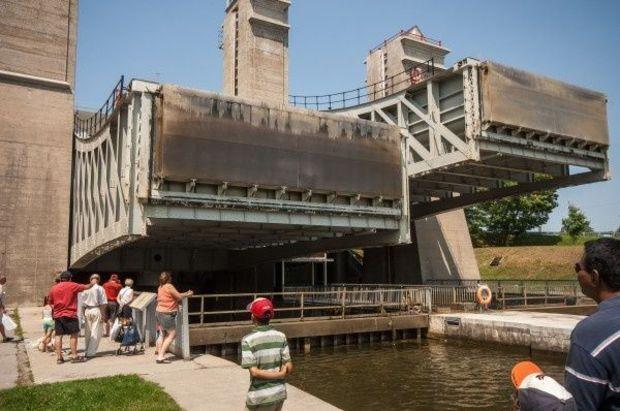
(432, 375)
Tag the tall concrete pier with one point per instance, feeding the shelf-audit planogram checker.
(255, 50)
(37, 71)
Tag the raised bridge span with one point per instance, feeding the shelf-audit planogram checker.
(227, 182)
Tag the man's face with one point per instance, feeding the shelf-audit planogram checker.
(588, 284)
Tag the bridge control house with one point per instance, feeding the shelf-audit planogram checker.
(224, 188)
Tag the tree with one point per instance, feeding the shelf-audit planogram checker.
(576, 223)
(500, 221)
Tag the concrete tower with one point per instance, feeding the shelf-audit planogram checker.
(255, 48)
(441, 244)
(387, 63)
(37, 67)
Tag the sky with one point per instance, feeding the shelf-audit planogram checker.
(177, 42)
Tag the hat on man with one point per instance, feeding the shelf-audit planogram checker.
(66, 275)
(261, 308)
(537, 391)
(523, 370)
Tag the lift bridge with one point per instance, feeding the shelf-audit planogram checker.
(227, 182)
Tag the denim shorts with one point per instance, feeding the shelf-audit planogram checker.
(48, 325)
(167, 321)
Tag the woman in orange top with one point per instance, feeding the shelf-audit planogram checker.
(168, 299)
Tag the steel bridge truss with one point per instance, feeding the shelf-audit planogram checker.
(118, 200)
(456, 158)
(110, 174)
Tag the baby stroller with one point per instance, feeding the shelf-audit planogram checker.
(129, 338)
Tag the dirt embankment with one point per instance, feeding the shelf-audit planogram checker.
(529, 262)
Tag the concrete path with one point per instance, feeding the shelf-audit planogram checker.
(8, 365)
(541, 331)
(205, 382)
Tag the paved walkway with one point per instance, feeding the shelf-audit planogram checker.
(541, 331)
(205, 380)
(8, 365)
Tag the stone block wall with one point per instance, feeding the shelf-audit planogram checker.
(37, 38)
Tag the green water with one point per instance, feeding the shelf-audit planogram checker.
(432, 375)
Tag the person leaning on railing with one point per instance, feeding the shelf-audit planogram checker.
(168, 299)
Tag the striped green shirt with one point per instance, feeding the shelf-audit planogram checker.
(266, 349)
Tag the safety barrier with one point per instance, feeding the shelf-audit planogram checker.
(87, 127)
(338, 302)
(369, 92)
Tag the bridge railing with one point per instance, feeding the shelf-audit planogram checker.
(350, 300)
(414, 75)
(506, 293)
(86, 127)
(213, 309)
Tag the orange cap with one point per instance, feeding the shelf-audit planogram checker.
(523, 369)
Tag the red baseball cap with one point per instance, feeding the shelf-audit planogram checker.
(261, 308)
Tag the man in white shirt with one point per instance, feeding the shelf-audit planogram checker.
(94, 302)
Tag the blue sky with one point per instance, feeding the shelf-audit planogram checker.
(177, 42)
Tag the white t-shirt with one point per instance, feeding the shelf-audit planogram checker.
(125, 296)
(94, 297)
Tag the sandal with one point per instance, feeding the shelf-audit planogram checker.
(164, 361)
(60, 361)
(76, 360)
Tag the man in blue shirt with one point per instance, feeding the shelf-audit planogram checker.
(592, 373)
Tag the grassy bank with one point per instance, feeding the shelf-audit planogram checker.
(529, 262)
(111, 393)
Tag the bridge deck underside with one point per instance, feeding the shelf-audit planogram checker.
(232, 235)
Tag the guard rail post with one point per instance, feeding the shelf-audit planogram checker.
(301, 305)
(344, 299)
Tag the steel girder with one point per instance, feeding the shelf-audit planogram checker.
(458, 155)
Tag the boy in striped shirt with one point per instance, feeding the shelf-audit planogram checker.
(265, 353)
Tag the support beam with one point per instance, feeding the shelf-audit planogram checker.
(439, 206)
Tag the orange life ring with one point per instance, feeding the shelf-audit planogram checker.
(416, 75)
(484, 295)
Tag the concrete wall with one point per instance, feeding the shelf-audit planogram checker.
(441, 250)
(446, 251)
(37, 38)
(255, 50)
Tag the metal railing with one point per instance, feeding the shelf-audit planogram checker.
(408, 33)
(87, 127)
(300, 305)
(414, 75)
(506, 293)
(354, 300)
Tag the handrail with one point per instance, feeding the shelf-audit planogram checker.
(406, 33)
(312, 303)
(88, 127)
(360, 95)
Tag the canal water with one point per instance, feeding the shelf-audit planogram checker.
(431, 375)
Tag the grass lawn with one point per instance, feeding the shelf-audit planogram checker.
(530, 262)
(128, 392)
